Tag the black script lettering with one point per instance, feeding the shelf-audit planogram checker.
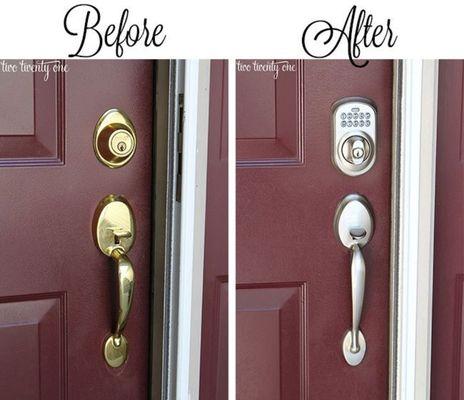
(357, 32)
(92, 39)
(89, 10)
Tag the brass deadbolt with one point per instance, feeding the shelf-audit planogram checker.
(114, 139)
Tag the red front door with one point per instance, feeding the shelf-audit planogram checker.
(293, 275)
(448, 286)
(57, 289)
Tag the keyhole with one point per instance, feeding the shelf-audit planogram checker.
(358, 153)
(121, 146)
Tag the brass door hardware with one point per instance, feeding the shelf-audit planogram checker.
(114, 235)
(114, 139)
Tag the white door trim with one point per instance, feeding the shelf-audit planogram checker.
(413, 209)
(192, 229)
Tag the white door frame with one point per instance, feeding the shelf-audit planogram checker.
(412, 236)
(192, 227)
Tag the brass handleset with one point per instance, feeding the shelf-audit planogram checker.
(114, 235)
(114, 224)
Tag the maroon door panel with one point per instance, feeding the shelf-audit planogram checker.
(213, 380)
(56, 287)
(448, 286)
(293, 276)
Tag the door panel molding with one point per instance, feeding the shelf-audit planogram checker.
(33, 346)
(280, 309)
(280, 142)
(412, 230)
(42, 142)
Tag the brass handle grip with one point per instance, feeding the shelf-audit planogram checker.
(125, 288)
(115, 348)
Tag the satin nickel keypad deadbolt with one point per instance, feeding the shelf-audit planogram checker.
(354, 126)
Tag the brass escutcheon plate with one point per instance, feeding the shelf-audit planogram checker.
(113, 219)
(115, 351)
(114, 139)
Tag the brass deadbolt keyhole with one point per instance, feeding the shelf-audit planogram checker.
(121, 143)
(114, 139)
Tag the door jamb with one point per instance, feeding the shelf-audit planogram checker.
(180, 161)
(415, 95)
(169, 80)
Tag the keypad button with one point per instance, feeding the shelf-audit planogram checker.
(350, 124)
(368, 115)
(343, 116)
(343, 124)
(368, 123)
(361, 115)
(350, 115)
(361, 123)
(355, 115)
